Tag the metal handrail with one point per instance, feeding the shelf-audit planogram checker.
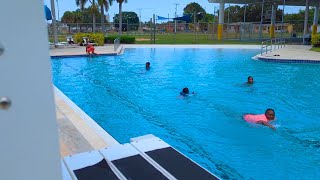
(274, 44)
(116, 43)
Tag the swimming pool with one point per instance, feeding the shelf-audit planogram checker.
(128, 101)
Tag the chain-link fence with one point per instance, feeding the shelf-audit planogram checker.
(190, 33)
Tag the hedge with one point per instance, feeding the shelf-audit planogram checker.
(315, 40)
(123, 39)
(93, 37)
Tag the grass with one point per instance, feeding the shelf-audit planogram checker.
(179, 38)
(315, 49)
(186, 38)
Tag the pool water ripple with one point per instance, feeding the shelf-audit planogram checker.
(128, 101)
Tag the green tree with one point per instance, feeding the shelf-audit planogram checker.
(192, 8)
(88, 16)
(297, 19)
(67, 17)
(104, 5)
(130, 18)
(79, 16)
(253, 13)
(120, 14)
(208, 18)
(71, 17)
(235, 14)
(93, 9)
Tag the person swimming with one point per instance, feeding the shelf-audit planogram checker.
(250, 80)
(263, 119)
(147, 65)
(185, 92)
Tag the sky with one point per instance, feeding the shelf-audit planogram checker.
(148, 7)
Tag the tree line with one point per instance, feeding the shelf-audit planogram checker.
(233, 13)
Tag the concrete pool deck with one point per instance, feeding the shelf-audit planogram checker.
(81, 50)
(291, 53)
(77, 131)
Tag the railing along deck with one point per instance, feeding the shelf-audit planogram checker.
(272, 45)
(116, 43)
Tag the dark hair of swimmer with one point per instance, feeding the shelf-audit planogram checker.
(147, 65)
(185, 90)
(250, 80)
(270, 114)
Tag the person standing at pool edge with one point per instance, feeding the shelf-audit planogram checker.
(250, 80)
(263, 119)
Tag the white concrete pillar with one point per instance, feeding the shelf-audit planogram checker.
(315, 19)
(273, 22)
(54, 22)
(221, 19)
(221, 12)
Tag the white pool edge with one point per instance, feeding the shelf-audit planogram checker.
(90, 122)
(218, 46)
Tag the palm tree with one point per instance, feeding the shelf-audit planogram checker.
(104, 4)
(120, 14)
(93, 8)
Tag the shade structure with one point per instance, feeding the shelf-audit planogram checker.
(47, 12)
(186, 18)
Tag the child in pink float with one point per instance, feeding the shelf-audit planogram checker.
(263, 119)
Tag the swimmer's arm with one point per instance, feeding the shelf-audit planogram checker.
(266, 124)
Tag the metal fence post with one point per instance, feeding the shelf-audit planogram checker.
(151, 31)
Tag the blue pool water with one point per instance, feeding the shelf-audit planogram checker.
(128, 101)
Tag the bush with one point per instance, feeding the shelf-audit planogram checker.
(315, 40)
(123, 39)
(93, 38)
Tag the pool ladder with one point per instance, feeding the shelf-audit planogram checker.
(272, 45)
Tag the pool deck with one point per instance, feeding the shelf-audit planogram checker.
(79, 133)
(81, 50)
(291, 53)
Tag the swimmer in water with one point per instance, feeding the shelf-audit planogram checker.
(263, 119)
(185, 92)
(250, 80)
(147, 65)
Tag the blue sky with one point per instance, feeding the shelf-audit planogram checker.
(149, 7)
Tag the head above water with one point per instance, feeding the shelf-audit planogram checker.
(250, 80)
(185, 90)
(147, 64)
(270, 114)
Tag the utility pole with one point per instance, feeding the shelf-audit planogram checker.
(261, 21)
(58, 10)
(229, 14)
(54, 23)
(140, 16)
(175, 21)
(214, 17)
